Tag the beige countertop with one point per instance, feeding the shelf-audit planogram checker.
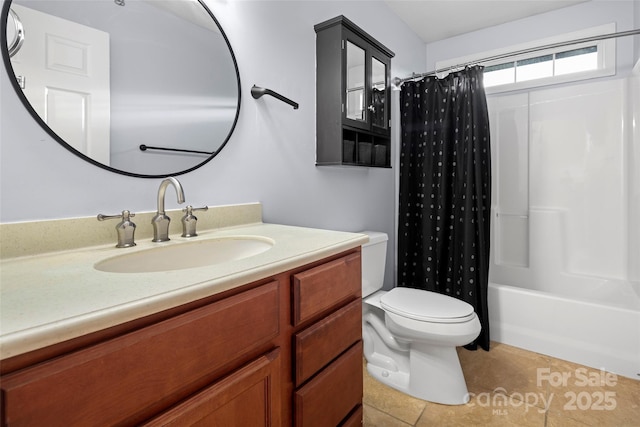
(52, 297)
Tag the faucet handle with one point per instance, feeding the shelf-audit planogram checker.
(125, 215)
(189, 209)
(125, 228)
(189, 221)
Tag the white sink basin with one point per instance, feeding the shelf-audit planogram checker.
(199, 253)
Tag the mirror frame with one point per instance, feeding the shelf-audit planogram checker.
(6, 7)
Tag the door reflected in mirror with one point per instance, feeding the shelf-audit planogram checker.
(105, 79)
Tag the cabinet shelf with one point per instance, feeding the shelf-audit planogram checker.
(364, 148)
(352, 95)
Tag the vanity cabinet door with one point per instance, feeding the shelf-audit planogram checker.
(247, 397)
(128, 379)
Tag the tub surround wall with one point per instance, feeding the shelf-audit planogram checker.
(561, 201)
(633, 158)
(564, 272)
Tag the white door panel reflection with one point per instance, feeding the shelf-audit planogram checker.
(65, 67)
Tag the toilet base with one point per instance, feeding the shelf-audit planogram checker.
(434, 375)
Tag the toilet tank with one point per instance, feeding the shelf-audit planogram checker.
(374, 256)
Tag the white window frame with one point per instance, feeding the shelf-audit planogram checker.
(606, 58)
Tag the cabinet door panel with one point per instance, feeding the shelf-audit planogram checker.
(356, 80)
(320, 288)
(322, 342)
(247, 397)
(130, 378)
(329, 397)
(379, 96)
(355, 96)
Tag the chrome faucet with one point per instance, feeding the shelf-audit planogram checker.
(189, 221)
(125, 228)
(161, 221)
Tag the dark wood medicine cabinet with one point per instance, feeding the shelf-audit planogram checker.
(353, 96)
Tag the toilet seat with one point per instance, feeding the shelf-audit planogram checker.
(426, 306)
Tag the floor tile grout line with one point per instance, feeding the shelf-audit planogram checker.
(424, 408)
(394, 417)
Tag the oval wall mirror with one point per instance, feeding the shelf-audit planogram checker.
(145, 88)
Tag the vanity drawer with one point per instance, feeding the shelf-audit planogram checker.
(317, 345)
(329, 397)
(320, 288)
(127, 379)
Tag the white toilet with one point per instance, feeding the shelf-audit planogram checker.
(410, 335)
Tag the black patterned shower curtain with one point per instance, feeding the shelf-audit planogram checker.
(445, 190)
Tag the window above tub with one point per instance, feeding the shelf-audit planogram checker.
(560, 64)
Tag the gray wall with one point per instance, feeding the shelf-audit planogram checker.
(270, 157)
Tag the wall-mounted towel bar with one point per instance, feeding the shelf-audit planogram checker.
(257, 92)
(144, 147)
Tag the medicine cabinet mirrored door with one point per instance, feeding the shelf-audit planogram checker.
(353, 96)
(378, 107)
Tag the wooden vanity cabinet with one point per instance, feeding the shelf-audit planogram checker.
(282, 351)
(353, 96)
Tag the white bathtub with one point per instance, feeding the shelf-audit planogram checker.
(596, 324)
(565, 246)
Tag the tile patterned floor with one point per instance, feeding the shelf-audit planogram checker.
(514, 387)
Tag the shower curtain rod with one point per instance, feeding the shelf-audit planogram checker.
(397, 81)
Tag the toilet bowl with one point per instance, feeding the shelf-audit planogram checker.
(410, 335)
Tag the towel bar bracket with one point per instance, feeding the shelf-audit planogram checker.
(258, 92)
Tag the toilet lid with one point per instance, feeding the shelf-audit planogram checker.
(426, 306)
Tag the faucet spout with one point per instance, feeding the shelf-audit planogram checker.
(163, 190)
(161, 221)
